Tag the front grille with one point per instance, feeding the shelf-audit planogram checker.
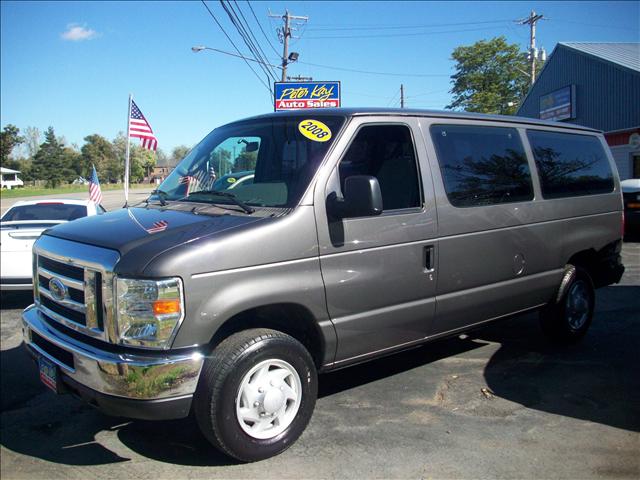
(55, 307)
(71, 271)
(74, 286)
(74, 294)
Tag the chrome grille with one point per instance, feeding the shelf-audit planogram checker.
(74, 285)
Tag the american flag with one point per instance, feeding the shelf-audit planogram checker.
(95, 193)
(191, 183)
(158, 226)
(140, 128)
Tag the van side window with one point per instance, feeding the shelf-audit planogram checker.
(387, 153)
(570, 164)
(482, 165)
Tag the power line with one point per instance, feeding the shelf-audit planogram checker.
(368, 72)
(412, 34)
(264, 55)
(246, 37)
(234, 46)
(392, 101)
(396, 27)
(426, 93)
(261, 29)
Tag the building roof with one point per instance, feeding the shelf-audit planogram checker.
(8, 170)
(624, 54)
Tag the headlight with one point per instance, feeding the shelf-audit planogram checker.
(149, 311)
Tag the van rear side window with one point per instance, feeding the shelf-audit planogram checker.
(569, 164)
(482, 165)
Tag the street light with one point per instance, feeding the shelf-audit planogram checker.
(199, 48)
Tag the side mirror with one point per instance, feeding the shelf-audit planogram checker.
(362, 198)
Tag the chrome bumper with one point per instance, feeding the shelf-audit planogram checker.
(152, 376)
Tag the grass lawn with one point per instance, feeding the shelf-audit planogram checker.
(35, 191)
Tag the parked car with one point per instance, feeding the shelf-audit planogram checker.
(631, 198)
(22, 224)
(363, 233)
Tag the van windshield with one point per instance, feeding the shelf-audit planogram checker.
(266, 162)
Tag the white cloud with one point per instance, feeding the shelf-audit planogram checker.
(77, 33)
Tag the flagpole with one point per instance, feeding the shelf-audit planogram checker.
(126, 158)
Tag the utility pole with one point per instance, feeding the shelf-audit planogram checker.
(401, 95)
(533, 52)
(285, 33)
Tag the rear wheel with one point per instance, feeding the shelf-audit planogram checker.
(256, 394)
(568, 320)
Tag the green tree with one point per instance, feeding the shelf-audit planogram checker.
(490, 77)
(177, 154)
(148, 161)
(9, 139)
(51, 161)
(99, 151)
(141, 160)
(245, 161)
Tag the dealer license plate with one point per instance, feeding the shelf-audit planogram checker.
(48, 373)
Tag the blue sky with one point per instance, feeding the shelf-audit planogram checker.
(73, 64)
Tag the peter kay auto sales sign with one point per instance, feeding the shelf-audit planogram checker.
(302, 95)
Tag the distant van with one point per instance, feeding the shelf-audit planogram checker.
(9, 178)
(361, 233)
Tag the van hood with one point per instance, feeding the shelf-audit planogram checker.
(144, 233)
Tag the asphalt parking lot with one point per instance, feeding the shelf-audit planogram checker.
(498, 403)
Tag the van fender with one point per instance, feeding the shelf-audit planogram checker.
(567, 278)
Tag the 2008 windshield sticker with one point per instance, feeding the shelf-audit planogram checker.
(315, 130)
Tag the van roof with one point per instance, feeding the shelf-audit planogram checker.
(409, 112)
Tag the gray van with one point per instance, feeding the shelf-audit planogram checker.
(363, 232)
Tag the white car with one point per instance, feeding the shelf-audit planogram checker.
(22, 224)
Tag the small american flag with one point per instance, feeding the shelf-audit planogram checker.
(95, 193)
(140, 128)
(191, 183)
(158, 226)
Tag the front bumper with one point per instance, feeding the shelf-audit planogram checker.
(22, 283)
(15, 270)
(119, 381)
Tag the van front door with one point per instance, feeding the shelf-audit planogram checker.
(379, 271)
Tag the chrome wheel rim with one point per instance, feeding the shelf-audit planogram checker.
(268, 399)
(577, 305)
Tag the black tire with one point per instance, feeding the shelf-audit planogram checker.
(568, 320)
(220, 381)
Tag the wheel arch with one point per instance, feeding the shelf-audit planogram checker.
(290, 318)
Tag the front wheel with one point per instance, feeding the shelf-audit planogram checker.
(568, 320)
(256, 394)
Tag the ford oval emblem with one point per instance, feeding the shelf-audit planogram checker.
(58, 289)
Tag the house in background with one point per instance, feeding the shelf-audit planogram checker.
(596, 85)
(9, 178)
(158, 174)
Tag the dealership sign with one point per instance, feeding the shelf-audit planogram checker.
(559, 104)
(302, 95)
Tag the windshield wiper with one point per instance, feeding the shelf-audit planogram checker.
(228, 195)
(161, 194)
